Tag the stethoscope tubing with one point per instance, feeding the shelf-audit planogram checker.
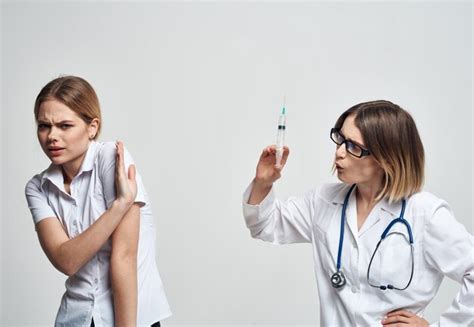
(338, 279)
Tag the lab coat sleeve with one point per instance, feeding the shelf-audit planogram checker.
(449, 249)
(279, 222)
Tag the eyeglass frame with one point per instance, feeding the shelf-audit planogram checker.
(364, 152)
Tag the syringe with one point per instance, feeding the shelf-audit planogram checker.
(280, 143)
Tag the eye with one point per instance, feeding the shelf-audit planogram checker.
(66, 126)
(351, 146)
(42, 126)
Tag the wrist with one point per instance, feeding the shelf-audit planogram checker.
(262, 185)
(122, 204)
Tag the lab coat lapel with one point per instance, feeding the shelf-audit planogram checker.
(351, 216)
(383, 212)
(373, 218)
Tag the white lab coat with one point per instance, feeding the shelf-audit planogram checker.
(442, 247)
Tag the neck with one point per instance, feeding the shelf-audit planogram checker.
(71, 169)
(69, 172)
(367, 193)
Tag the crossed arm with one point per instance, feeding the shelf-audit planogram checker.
(121, 223)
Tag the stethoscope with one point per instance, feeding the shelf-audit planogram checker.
(338, 279)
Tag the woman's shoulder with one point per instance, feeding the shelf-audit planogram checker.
(425, 202)
(36, 181)
(331, 192)
(105, 153)
(107, 147)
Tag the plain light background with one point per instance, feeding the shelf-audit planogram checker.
(194, 90)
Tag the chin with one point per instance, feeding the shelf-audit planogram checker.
(58, 160)
(344, 179)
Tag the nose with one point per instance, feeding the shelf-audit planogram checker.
(52, 135)
(341, 151)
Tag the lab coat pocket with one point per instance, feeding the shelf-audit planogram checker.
(394, 260)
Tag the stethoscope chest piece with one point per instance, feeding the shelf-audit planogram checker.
(338, 279)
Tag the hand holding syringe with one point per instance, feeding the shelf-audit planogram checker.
(271, 162)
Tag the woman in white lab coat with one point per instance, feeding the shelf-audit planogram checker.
(381, 245)
(93, 220)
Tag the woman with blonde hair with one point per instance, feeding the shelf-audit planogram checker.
(93, 219)
(381, 245)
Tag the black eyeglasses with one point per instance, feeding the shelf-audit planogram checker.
(354, 149)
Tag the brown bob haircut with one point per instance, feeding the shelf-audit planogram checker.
(74, 92)
(391, 136)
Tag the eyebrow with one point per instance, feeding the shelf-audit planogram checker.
(58, 123)
(349, 139)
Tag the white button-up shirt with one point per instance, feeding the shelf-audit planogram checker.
(442, 247)
(88, 293)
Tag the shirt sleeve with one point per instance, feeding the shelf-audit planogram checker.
(279, 222)
(37, 201)
(107, 158)
(449, 249)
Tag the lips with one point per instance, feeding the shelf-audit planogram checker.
(55, 151)
(338, 166)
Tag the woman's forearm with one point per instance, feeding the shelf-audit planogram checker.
(123, 274)
(259, 192)
(123, 268)
(76, 252)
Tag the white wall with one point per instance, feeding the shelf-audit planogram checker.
(194, 90)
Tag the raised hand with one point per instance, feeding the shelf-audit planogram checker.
(125, 184)
(267, 173)
(267, 170)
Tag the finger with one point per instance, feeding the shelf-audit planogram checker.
(286, 153)
(132, 172)
(404, 313)
(119, 161)
(395, 319)
(271, 149)
(267, 152)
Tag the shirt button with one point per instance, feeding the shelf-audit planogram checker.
(74, 222)
(354, 289)
(96, 281)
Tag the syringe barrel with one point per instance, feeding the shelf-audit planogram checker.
(280, 142)
(282, 122)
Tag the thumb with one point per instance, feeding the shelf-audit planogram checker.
(132, 172)
(286, 153)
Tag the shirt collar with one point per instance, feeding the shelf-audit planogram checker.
(54, 172)
(89, 159)
(393, 208)
(340, 195)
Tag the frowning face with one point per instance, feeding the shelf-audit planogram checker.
(63, 135)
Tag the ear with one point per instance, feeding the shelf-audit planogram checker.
(93, 128)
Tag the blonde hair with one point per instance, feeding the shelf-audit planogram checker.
(74, 92)
(392, 138)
